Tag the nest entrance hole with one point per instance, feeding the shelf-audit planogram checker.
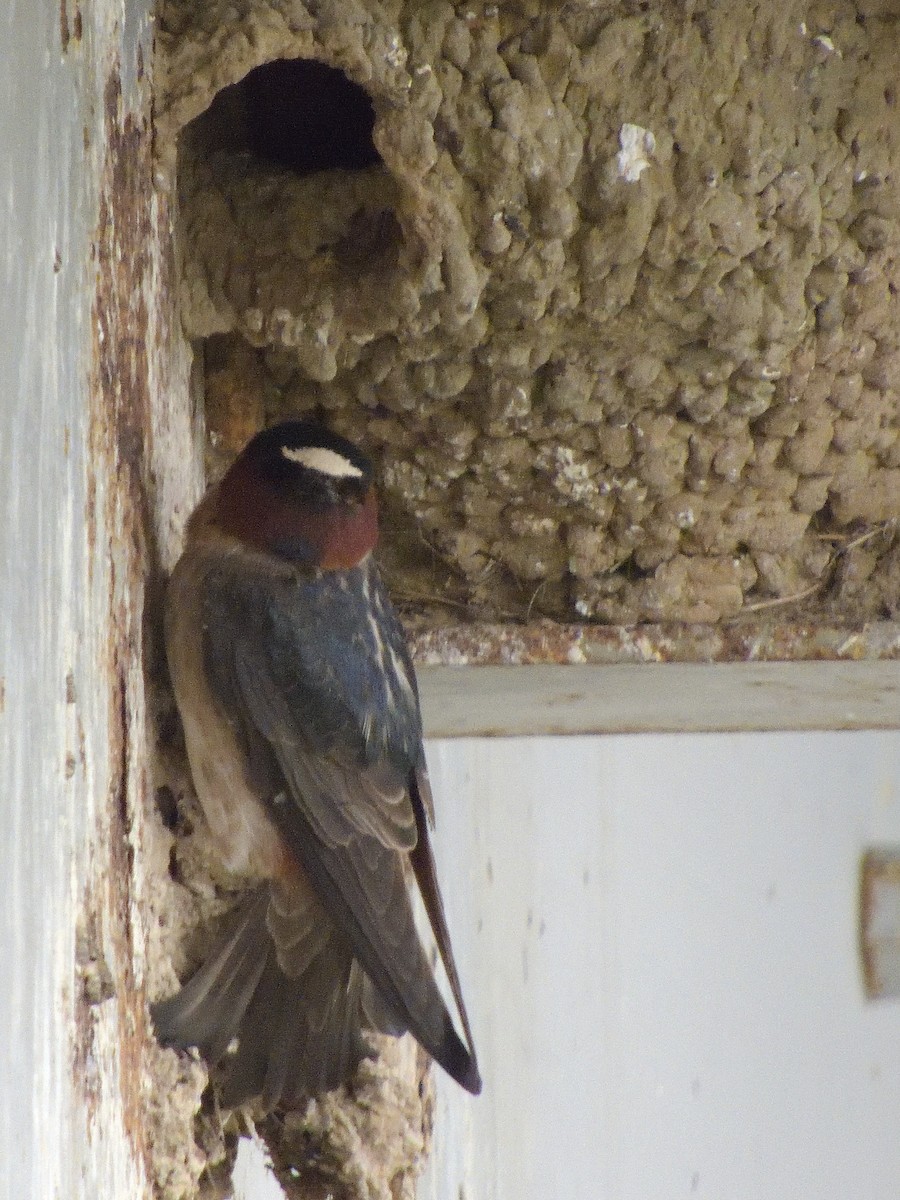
(295, 113)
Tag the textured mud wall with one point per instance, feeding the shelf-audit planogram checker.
(617, 313)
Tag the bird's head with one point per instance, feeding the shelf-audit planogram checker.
(302, 493)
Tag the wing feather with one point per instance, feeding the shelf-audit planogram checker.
(321, 671)
(345, 731)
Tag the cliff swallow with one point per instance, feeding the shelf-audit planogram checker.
(301, 718)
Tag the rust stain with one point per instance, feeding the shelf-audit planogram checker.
(67, 33)
(866, 949)
(879, 926)
(95, 986)
(118, 531)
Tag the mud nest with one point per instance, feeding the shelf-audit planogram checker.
(612, 298)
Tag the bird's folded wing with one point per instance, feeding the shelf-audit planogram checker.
(327, 687)
(345, 811)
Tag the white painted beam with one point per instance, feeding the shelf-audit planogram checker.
(499, 701)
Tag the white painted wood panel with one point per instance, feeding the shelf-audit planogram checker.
(658, 937)
(41, 504)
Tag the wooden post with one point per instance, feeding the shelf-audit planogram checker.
(83, 262)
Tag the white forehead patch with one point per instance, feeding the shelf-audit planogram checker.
(323, 460)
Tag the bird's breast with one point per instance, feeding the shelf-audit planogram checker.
(246, 840)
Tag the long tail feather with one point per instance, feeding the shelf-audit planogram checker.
(279, 1036)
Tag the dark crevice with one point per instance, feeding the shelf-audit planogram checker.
(299, 114)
